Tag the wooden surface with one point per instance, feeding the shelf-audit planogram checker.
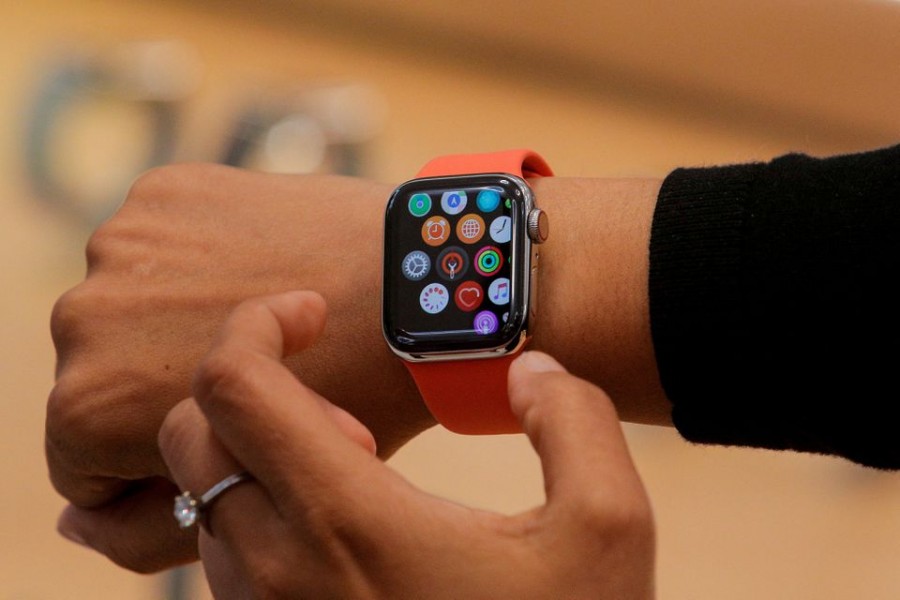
(733, 524)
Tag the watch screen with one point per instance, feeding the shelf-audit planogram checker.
(452, 277)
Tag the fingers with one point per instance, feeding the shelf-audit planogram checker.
(136, 531)
(249, 397)
(303, 453)
(575, 431)
(197, 462)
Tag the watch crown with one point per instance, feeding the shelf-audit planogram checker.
(538, 226)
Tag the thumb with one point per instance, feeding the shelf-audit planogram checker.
(575, 430)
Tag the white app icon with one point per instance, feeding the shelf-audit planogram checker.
(498, 291)
(501, 229)
(453, 202)
(434, 298)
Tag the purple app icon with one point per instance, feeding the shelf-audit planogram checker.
(486, 323)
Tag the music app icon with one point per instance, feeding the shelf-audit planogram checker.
(498, 291)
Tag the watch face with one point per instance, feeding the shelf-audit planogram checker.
(456, 261)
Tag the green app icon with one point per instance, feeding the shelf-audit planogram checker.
(419, 205)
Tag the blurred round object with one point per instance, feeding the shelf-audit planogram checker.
(319, 128)
(99, 119)
(351, 113)
(164, 70)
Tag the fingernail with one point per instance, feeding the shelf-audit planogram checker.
(71, 535)
(65, 529)
(538, 362)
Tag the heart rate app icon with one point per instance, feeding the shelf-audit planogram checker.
(468, 296)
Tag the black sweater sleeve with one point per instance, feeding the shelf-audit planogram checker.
(774, 306)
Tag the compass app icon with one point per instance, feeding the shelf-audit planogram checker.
(454, 202)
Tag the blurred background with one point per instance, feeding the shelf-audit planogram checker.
(95, 91)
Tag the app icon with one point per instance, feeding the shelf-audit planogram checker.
(469, 296)
(434, 298)
(488, 200)
(435, 231)
(498, 291)
(501, 229)
(486, 323)
(488, 261)
(470, 228)
(419, 204)
(452, 263)
(415, 265)
(453, 202)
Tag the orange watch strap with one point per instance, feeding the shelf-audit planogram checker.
(524, 163)
(470, 396)
(467, 396)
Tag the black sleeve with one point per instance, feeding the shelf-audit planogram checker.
(774, 305)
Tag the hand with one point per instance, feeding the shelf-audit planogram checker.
(189, 243)
(325, 518)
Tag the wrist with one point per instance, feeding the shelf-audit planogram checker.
(593, 307)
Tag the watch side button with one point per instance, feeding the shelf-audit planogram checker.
(538, 226)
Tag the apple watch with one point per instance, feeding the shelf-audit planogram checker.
(460, 272)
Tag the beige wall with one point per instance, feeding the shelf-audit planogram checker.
(733, 523)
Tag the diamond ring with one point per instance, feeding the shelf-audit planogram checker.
(189, 510)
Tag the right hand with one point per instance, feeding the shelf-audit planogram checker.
(322, 519)
(189, 243)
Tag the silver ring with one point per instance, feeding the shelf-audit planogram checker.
(190, 510)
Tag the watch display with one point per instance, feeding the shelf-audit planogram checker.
(455, 264)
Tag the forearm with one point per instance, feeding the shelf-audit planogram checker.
(593, 307)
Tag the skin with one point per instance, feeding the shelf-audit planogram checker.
(192, 241)
(322, 517)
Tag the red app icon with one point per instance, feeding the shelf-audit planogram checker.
(468, 296)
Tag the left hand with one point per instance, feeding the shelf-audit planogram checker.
(325, 518)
